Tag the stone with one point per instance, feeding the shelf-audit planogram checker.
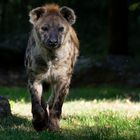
(5, 109)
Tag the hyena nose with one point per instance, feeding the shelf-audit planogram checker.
(53, 42)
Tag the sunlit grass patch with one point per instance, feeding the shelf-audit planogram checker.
(109, 115)
(125, 107)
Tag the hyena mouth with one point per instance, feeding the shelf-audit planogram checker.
(52, 46)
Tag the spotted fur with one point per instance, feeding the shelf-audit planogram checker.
(54, 66)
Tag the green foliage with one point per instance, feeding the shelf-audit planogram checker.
(134, 6)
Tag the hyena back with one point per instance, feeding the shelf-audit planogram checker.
(50, 57)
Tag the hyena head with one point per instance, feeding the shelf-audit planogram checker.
(51, 24)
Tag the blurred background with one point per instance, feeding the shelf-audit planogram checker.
(109, 34)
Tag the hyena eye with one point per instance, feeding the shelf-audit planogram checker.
(61, 29)
(45, 28)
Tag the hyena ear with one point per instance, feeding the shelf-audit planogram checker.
(68, 14)
(35, 14)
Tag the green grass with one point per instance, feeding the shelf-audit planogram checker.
(100, 113)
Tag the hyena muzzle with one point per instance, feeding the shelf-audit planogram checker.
(50, 57)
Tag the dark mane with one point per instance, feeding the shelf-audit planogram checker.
(51, 8)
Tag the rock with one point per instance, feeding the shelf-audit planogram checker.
(5, 109)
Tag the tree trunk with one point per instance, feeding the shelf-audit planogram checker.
(118, 27)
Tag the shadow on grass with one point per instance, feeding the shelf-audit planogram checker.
(99, 93)
(90, 133)
(104, 92)
(13, 127)
(15, 94)
(18, 128)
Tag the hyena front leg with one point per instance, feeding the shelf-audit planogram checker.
(56, 102)
(39, 111)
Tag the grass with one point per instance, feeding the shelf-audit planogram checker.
(100, 113)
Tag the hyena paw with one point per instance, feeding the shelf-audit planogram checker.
(39, 118)
(53, 124)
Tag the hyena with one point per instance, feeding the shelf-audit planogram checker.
(50, 57)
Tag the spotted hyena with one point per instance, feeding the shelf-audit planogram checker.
(50, 57)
